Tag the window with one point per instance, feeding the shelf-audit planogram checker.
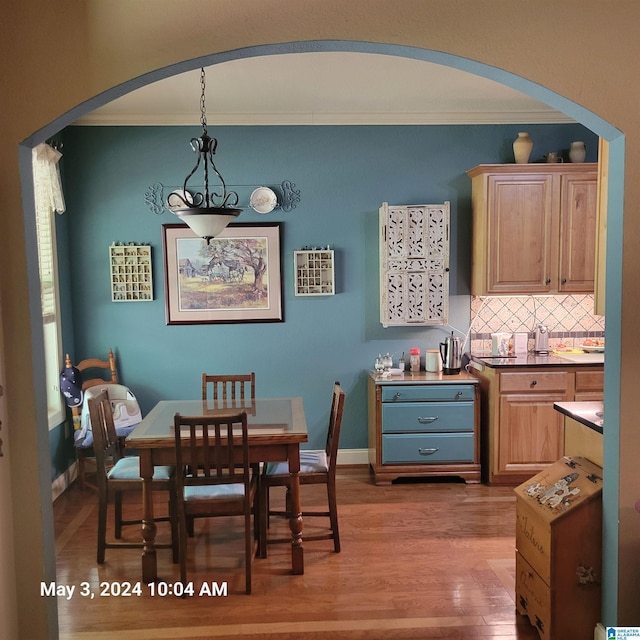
(48, 200)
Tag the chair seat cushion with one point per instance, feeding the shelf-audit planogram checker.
(128, 468)
(310, 462)
(213, 492)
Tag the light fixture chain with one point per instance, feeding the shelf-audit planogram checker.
(203, 108)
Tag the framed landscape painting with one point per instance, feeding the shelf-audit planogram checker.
(236, 277)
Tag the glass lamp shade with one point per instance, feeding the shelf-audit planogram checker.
(207, 222)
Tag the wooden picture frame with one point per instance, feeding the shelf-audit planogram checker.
(236, 277)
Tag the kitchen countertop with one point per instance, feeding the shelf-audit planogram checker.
(537, 360)
(589, 414)
(424, 377)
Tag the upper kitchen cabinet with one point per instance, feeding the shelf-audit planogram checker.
(414, 264)
(534, 228)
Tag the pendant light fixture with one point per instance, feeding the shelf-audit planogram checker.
(207, 213)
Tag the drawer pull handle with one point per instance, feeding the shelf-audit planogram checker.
(398, 395)
(427, 419)
(427, 452)
(534, 383)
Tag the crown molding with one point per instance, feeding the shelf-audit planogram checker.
(101, 119)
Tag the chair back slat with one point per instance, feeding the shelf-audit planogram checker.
(108, 374)
(229, 387)
(213, 447)
(335, 423)
(106, 446)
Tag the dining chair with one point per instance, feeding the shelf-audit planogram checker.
(119, 474)
(94, 371)
(213, 476)
(229, 387)
(316, 467)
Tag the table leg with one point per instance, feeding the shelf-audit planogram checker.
(149, 559)
(295, 520)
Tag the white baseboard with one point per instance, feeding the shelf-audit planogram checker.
(353, 456)
(60, 484)
(600, 632)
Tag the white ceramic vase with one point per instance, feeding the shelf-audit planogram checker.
(578, 151)
(522, 147)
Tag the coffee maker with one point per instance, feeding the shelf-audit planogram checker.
(451, 352)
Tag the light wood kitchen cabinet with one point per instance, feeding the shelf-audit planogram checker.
(534, 228)
(522, 432)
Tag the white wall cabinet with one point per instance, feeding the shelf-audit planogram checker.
(314, 272)
(414, 264)
(131, 278)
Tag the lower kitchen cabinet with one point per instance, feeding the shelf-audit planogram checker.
(422, 425)
(559, 549)
(522, 432)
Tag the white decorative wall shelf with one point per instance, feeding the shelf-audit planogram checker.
(314, 272)
(131, 277)
(414, 264)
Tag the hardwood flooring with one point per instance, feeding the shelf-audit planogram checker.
(419, 560)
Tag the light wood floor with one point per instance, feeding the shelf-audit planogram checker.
(418, 560)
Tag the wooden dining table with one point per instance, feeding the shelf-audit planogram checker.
(277, 426)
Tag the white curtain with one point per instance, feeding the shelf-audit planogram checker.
(46, 180)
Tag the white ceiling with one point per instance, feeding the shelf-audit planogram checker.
(326, 88)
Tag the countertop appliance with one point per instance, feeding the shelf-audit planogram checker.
(451, 352)
(542, 339)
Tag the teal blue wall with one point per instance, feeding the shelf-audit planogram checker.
(344, 174)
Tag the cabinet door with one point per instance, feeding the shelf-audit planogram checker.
(519, 232)
(531, 432)
(414, 264)
(578, 222)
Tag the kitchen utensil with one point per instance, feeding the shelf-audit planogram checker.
(542, 339)
(451, 352)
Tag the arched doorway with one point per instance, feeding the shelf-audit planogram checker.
(589, 119)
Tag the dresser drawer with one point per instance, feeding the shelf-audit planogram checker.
(534, 381)
(427, 448)
(427, 416)
(428, 393)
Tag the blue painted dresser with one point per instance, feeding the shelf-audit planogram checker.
(424, 424)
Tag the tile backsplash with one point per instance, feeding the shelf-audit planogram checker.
(569, 319)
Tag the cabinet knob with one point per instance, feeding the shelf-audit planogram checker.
(398, 395)
(534, 383)
(564, 281)
(547, 281)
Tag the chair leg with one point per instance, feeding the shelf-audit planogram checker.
(333, 514)
(263, 517)
(182, 547)
(248, 548)
(81, 470)
(173, 516)
(102, 527)
(118, 514)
